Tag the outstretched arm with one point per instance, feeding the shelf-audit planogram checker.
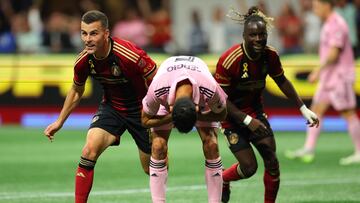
(288, 89)
(72, 100)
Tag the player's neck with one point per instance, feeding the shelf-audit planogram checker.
(184, 90)
(105, 52)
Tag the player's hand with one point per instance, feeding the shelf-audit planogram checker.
(52, 129)
(257, 127)
(311, 117)
(314, 75)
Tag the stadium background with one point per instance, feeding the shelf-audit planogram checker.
(33, 85)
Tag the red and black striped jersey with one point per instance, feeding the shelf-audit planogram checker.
(244, 78)
(123, 75)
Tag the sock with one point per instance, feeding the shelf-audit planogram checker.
(354, 131)
(83, 180)
(214, 181)
(233, 173)
(158, 178)
(271, 182)
(312, 137)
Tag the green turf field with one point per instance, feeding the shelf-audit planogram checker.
(33, 170)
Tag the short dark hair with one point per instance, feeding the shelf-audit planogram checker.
(184, 114)
(95, 15)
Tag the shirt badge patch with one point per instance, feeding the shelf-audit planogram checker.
(115, 70)
(233, 138)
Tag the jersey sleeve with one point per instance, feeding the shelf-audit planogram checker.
(275, 68)
(81, 70)
(337, 37)
(150, 103)
(218, 102)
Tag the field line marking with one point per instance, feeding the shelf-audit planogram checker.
(26, 195)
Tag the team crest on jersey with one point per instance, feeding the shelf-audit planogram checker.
(233, 138)
(95, 119)
(115, 70)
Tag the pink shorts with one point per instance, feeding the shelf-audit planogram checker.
(162, 112)
(341, 97)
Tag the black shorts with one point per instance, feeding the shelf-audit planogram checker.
(108, 119)
(240, 137)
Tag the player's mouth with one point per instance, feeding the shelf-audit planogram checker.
(90, 47)
(258, 47)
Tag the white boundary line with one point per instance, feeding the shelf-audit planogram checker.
(27, 195)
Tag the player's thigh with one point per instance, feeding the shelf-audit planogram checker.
(321, 100)
(343, 96)
(97, 140)
(239, 145)
(267, 149)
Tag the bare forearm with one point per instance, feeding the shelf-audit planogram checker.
(155, 121)
(288, 89)
(211, 116)
(72, 100)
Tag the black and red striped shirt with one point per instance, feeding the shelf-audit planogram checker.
(123, 75)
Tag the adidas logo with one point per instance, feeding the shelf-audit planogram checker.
(154, 175)
(216, 174)
(80, 174)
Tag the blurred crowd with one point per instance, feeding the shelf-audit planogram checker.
(51, 26)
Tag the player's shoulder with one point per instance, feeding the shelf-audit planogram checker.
(81, 58)
(126, 50)
(230, 56)
(271, 51)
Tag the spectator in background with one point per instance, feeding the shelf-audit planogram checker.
(312, 25)
(56, 37)
(7, 39)
(132, 28)
(348, 11)
(198, 43)
(27, 39)
(289, 26)
(159, 24)
(336, 76)
(217, 32)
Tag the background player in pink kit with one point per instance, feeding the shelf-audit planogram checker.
(124, 71)
(336, 76)
(241, 71)
(184, 93)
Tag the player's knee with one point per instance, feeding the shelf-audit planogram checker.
(248, 170)
(89, 153)
(272, 167)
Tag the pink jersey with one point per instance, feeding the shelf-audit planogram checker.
(335, 33)
(206, 91)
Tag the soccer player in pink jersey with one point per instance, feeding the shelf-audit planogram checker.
(183, 93)
(336, 76)
(124, 71)
(241, 71)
